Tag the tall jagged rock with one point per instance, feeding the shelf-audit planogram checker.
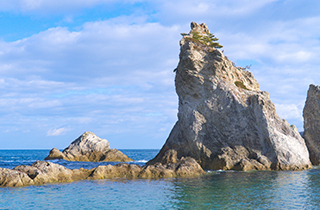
(224, 120)
(89, 147)
(311, 114)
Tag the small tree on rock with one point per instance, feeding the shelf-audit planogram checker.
(208, 39)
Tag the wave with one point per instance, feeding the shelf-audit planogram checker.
(140, 161)
(54, 160)
(218, 171)
(22, 161)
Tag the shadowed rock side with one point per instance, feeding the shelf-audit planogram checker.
(311, 114)
(42, 172)
(89, 147)
(224, 120)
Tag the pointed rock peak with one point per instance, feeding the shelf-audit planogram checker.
(314, 89)
(200, 34)
(88, 135)
(199, 54)
(199, 27)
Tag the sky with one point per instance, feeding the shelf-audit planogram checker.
(106, 66)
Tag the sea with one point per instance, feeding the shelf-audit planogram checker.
(214, 190)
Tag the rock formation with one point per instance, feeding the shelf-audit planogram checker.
(224, 120)
(311, 114)
(42, 172)
(89, 147)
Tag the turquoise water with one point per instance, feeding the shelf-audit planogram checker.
(215, 190)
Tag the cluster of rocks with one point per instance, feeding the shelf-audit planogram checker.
(89, 147)
(224, 122)
(42, 172)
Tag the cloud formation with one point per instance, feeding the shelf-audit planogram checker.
(49, 5)
(57, 131)
(114, 75)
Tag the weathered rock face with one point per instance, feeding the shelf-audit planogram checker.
(311, 114)
(224, 120)
(89, 147)
(42, 172)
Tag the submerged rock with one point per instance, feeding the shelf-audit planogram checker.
(311, 115)
(42, 172)
(89, 147)
(224, 120)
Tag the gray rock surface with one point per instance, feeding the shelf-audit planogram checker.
(89, 147)
(224, 120)
(311, 114)
(13, 178)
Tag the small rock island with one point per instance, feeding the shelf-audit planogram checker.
(89, 147)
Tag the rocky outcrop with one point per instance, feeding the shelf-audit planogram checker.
(224, 120)
(89, 147)
(311, 114)
(42, 172)
(185, 167)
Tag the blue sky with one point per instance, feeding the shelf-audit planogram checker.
(99, 65)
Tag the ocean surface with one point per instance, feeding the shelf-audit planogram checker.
(215, 190)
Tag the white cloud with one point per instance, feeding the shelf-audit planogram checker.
(57, 131)
(289, 111)
(206, 10)
(101, 46)
(32, 5)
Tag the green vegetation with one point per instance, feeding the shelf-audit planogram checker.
(209, 39)
(240, 85)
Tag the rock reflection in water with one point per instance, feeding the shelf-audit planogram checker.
(250, 190)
